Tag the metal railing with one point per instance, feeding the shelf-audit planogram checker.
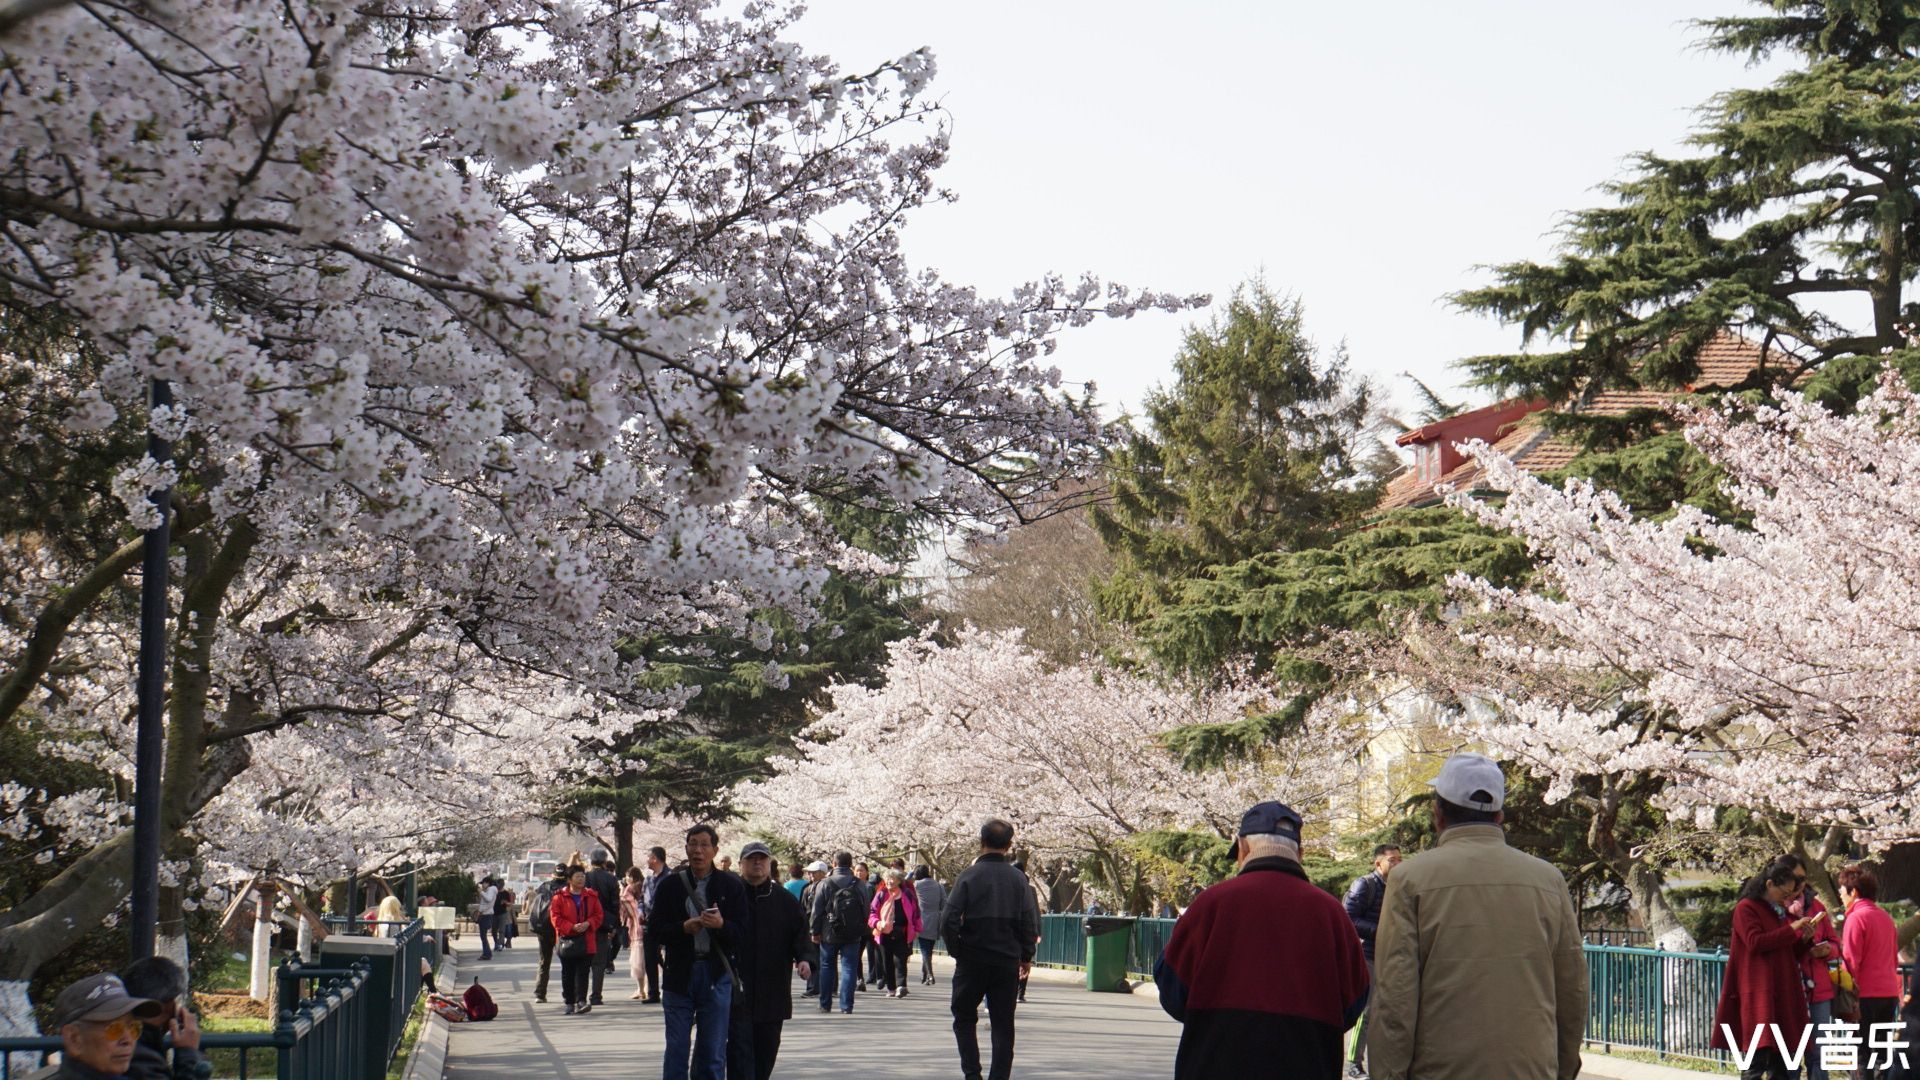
(398, 978)
(317, 1038)
(347, 1017)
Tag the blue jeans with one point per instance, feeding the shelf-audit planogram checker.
(846, 960)
(1821, 1013)
(697, 1023)
(485, 923)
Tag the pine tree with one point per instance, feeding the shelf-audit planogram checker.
(1799, 203)
(1262, 444)
(752, 697)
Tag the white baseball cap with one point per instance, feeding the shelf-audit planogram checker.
(1471, 780)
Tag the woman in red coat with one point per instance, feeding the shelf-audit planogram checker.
(576, 914)
(1762, 994)
(1869, 947)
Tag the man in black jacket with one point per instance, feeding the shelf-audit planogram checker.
(1363, 909)
(839, 929)
(700, 918)
(778, 937)
(990, 925)
(602, 880)
(540, 921)
(159, 979)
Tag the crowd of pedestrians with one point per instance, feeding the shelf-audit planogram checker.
(719, 950)
(1465, 960)
(1801, 994)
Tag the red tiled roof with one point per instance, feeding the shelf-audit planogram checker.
(1724, 362)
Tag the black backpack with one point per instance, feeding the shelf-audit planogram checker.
(540, 910)
(844, 912)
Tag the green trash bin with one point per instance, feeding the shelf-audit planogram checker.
(1109, 940)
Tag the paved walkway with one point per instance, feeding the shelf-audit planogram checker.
(1063, 1031)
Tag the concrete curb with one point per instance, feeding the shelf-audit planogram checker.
(428, 1061)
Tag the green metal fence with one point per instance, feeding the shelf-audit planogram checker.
(340, 1019)
(317, 1038)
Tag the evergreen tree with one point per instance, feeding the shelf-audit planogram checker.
(751, 697)
(1262, 444)
(1281, 609)
(1799, 203)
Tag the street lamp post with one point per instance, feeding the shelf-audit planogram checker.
(149, 755)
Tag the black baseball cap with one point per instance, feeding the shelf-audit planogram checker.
(100, 997)
(1271, 819)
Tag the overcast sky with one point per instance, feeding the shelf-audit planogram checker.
(1366, 157)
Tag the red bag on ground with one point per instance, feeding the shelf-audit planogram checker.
(478, 1003)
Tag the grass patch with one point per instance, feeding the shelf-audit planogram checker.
(227, 1061)
(1699, 1065)
(222, 971)
(235, 1023)
(415, 1021)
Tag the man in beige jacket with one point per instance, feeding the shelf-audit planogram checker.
(1478, 970)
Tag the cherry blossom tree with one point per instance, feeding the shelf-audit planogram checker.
(1072, 755)
(500, 335)
(1768, 664)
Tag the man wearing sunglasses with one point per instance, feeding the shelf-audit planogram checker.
(99, 1025)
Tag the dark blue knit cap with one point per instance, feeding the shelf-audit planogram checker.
(1271, 818)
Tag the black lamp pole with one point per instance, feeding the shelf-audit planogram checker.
(149, 753)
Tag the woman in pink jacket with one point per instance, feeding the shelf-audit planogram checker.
(1869, 948)
(895, 919)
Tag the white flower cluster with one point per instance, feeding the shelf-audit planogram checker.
(501, 336)
(1072, 756)
(1770, 665)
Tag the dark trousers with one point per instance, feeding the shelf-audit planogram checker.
(1768, 1065)
(926, 958)
(546, 964)
(894, 951)
(752, 1045)
(603, 958)
(485, 925)
(573, 978)
(870, 960)
(650, 953)
(1360, 1029)
(1876, 1010)
(996, 982)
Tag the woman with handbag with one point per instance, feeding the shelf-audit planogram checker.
(1869, 948)
(895, 920)
(577, 918)
(1763, 1006)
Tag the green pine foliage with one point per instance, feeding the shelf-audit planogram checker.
(1280, 609)
(1798, 201)
(739, 719)
(1262, 444)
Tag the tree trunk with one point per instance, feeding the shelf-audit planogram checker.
(622, 840)
(258, 987)
(171, 940)
(16, 1018)
(1645, 882)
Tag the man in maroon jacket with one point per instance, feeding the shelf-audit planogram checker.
(1264, 970)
